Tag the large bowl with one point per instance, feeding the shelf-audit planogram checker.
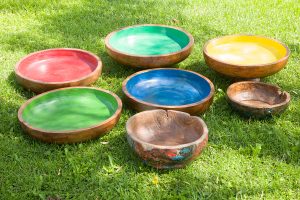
(70, 115)
(149, 45)
(256, 99)
(166, 139)
(57, 68)
(168, 89)
(245, 56)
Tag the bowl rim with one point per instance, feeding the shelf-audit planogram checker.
(286, 101)
(287, 54)
(197, 141)
(189, 45)
(116, 113)
(126, 92)
(98, 67)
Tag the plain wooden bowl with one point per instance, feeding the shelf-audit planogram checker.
(166, 139)
(149, 45)
(245, 56)
(256, 99)
(168, 89)
(57, 68)
(68, 115)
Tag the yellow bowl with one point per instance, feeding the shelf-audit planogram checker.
(245, 56)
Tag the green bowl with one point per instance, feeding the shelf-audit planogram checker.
(70, 114)
(149, 45)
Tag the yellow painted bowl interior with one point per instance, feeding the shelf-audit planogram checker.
(246, 50)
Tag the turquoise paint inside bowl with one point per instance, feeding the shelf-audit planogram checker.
(149, 40)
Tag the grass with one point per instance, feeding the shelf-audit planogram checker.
(245, 159)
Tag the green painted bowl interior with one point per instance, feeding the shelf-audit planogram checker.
(149, 40)
(70, 109)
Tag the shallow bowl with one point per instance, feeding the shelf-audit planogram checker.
(168, 89)
(166, 139)
(149, 45)
(70, 115)
(57, 68)
(245, 56)
(256, 99)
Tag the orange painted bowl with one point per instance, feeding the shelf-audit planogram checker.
(256, 99)
(69, 115)
(166, 139)
(149, 45)
(57, 68)
(245, 56)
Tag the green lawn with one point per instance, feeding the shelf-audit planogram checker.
(245, 159)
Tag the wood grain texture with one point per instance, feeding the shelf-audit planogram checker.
(158, 61)
(194, 108)
(41, 86)
(73, 136)
(256, 99)
(166, 139)
(245, 71)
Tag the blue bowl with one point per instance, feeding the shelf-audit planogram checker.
(169, 89)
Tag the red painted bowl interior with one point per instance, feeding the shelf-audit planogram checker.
(57, 65)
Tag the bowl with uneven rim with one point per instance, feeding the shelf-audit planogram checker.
(50, 69)
(245, 56)
(149, 45)
(166, 139)
(256, 99)
(168, 89)
(69, 115)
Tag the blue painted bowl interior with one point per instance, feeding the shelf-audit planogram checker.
(168, 87)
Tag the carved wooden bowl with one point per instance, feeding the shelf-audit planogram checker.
(70, 115)
(245, 56)
(166, 139)
(168, 89)
(57, 68)
(149, 45)
(256, 99)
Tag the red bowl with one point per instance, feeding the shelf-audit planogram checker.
(57, 68)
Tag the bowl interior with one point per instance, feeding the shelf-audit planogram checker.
(168, 87)
(246, 50)
(57, 65)
(165, 128)
(149, 40)
(256, 94)
(69, 109)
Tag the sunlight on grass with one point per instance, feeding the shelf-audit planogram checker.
(245, 159)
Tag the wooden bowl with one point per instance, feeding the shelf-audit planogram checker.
(245, 56)
(168, 89)
(256, 99)
(149, 45)
(166, 139)
(70, 115)
(57, 68)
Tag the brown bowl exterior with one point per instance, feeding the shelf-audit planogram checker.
(246, 72)
(65, 137)
(195, 108)
(168, 157)
(40, 87)
(137, 61)
(257, 112)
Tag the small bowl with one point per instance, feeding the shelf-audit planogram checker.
(245, 56)
(168, 89)
(70, 115)
(256, 99)
(166, 139)
(149, 45)
(57, 68)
